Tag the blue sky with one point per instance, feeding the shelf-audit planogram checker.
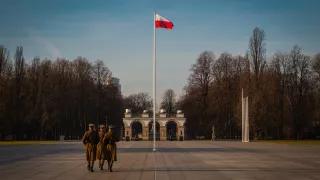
(119, 32)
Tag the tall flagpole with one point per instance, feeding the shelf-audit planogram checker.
(154, 81)
(242, 116)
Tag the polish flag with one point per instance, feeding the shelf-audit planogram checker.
(162, 22)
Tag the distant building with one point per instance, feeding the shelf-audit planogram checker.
(141, 127)
(115, 82)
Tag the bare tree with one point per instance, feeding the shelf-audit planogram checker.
(169, 101)
(230, 74)
(257, 58)
(4, 86)
(316, 70)
(298, 89)
(257, 51)
(138, 102)
(316, 64)
(101, 76)
(19, 75)
(4, 57)
(279, 71)
(101, 73)
(199, 81)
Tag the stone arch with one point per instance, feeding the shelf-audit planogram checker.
(136, 129)
(151, 130)
(172, 129)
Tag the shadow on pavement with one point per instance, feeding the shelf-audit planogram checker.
(218, 169)
(173, 150)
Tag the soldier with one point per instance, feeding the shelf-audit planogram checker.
(90, 140)
(101, 147)
(110, 141)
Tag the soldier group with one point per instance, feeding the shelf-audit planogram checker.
(100, 145)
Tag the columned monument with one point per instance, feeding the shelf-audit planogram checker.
(167, 127)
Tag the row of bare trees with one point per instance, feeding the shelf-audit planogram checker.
(44, 99)
(284, 93)
(139, 102)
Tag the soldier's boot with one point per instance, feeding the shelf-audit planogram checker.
(91, 167)
(111, 166)
(101, 166)
(88, 166)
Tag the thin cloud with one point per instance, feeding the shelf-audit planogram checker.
(50, 47)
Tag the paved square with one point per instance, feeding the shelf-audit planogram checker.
(173, 160)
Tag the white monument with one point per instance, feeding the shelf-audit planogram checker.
(245, 118)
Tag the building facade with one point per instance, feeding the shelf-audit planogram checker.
(141, 127)
(115, 82)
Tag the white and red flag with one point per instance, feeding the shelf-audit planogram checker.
(162, 22)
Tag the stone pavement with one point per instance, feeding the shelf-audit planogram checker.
(194, 160)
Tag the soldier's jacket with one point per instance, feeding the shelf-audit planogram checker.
(109, 138)
(110, 141)
(90, 140)
(101, 136)
(90, 137)
(101, 147)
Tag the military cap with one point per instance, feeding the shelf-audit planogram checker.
(91, 125)
(102, 126)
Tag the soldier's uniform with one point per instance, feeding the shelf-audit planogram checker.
(110, 141)
(101, 147)
(90, 140)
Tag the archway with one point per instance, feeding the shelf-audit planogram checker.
(171, 130)
(136, 130)
(151, 131)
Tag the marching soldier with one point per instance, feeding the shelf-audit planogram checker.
(90, 140)
(101, 147)
(110, 141)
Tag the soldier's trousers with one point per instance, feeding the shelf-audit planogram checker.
(91, 154)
